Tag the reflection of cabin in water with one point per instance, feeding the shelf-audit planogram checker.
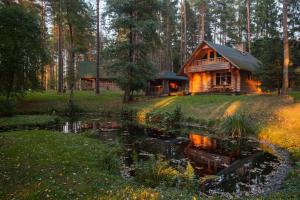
(86, 77)
(167, 83)
(210, 153)
(217, 68)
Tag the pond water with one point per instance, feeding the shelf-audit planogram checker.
(222, 165)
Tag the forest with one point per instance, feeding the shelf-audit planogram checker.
(137, 39)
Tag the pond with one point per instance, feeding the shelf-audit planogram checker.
(223, 165)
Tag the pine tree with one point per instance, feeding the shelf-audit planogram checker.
(135, 23)
(286, 58)
(98, 49)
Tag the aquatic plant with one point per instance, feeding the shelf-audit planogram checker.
(128, 116)
(155, 172)
(238, 125)
(109, 159)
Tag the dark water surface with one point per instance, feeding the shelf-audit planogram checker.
(223, 165)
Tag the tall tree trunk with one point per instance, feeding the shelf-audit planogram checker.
(71, 67)
(43, 31)
(98, 51)
(248, 26)
(285, 81)
(131, 38)
(183, 47)
(60, 61)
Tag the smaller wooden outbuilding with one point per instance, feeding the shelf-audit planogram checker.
(167, 83)
(86, 77)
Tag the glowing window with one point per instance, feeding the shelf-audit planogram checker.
(223, 78)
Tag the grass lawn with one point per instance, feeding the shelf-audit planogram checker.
(21, 120)
(44, 164)
(49, 101)
(212, 107)
(35, 164)
(296, 96)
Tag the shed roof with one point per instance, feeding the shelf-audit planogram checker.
(170, 76)
(87, 69)
(241, 60)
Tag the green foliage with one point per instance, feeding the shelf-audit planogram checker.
(266, 16)
(110, 160)
(166, 120)
(270, 74)
(72, 109)
(128, 116)
(21, 52)
(135, 23)
(238, 125)
(7, 107)
(158, 172)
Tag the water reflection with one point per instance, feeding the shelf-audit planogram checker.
(241, 165)
(95, 125)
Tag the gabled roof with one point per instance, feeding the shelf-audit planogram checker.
(239, 59)
(87, 69)
(170, 76)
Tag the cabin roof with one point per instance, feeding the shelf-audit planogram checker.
(87, 69)
(244, 61)
(170, 76)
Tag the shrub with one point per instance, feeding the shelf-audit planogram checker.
(7, 108)
(109, 160)
(155, 172)
(238, 126)
(128, 116)
(167, 120)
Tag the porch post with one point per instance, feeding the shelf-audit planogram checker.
(166, 88)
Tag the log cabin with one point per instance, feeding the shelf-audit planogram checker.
(86, 77)
(217, 68)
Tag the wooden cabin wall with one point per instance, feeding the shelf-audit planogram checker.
(200, 82)
(247, 84)
(236, 80)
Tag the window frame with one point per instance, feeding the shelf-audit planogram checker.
(223, 77)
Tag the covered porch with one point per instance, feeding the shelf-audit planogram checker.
(167, 83)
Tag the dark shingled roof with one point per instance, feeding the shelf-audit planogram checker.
(170, 76)
(241, 60)
(87, 69)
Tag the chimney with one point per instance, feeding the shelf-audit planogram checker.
(241, 47)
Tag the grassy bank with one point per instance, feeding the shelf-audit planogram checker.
(52, 165)
(40, 163)
(28, 120)
(212, 107)
(49, 102)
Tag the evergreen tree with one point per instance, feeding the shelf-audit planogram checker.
(135, 23)
(266, 19)
(21, 55)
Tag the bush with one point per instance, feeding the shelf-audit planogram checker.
(238, 126)
(158, 172)
(109, 160)
(168, 120)
(128, 116)
(7, 108)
